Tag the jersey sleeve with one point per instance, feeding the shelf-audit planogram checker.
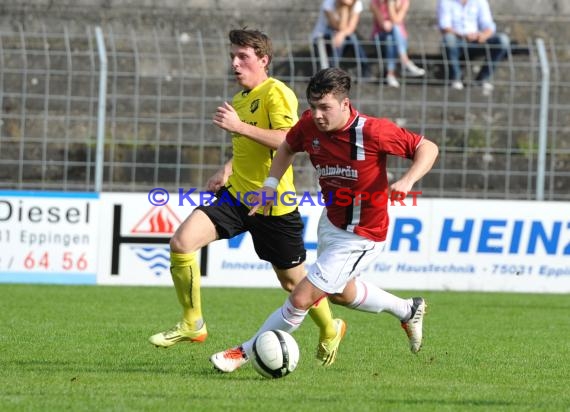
(395, 140)
(295, 136)
(282, 107)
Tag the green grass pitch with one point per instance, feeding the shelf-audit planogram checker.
(84, 348)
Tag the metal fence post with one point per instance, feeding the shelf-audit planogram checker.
(100, 153)
(322, 50)
(543, 119)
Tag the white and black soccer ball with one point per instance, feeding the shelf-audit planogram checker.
(275, 354)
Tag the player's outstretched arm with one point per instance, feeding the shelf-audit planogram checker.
(423, 161)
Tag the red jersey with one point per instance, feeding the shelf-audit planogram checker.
(351, 168)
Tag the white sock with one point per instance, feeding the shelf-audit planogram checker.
(370, 298)
(287, 318)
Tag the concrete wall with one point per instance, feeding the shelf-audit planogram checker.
(518, 8)
(279, 12)
(522, 19)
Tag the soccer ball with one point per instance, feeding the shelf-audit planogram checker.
(275, 354)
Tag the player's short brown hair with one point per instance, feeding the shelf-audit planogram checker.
(257, 40)
(332, 80)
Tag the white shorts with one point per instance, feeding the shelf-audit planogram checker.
(341, 255)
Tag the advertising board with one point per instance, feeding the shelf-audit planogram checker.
(433, 244)
(48, 237)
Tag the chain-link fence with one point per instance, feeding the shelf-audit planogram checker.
(162, 91)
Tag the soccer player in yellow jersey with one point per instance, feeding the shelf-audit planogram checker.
(258, 119)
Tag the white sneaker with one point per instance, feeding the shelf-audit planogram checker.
(487, 88)
(392, 81)
(413, 70)
(414, 326)
(229, 360)
(457, 85)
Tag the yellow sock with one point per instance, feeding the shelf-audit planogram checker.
(321, 314)
(185, 273)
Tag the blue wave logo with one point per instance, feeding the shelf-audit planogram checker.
(157, 258)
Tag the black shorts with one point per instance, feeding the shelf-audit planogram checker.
(277, 239)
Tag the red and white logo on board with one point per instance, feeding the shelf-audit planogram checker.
(158, 220)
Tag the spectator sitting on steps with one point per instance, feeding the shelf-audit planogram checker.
(467, 26)
(337, 24)
(390, 30)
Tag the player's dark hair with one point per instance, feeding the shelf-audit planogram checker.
(332, 80)
(257, 40)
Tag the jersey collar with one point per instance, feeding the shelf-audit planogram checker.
(353, 116)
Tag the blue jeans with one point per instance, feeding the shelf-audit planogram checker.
(395, 44)
(338, 52)
(495, 49)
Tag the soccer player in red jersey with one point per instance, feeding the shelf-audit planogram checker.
(258, 119)
(348, 150)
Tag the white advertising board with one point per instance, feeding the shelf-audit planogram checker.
(438, 244)
(134, 239)
(477, 245)
(48, 237)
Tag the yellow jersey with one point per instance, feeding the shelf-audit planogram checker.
(270, 105)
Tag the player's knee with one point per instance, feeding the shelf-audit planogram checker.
(299, 302)
(178, 245)
(175, 245)
(339, 299)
